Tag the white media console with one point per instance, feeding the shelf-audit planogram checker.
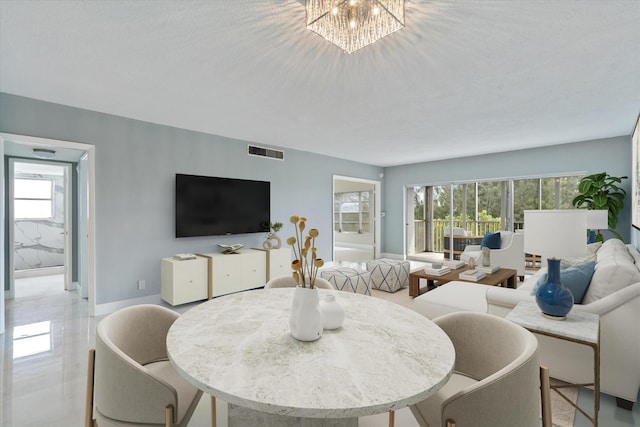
(215, 274)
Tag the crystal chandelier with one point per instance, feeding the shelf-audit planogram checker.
(354, 24)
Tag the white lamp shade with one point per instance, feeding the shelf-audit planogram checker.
(598, 219)
(556, 233)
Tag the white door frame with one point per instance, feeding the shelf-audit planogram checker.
(54, 143)
(377, 217)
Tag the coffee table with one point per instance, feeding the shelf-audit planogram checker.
(504, 277)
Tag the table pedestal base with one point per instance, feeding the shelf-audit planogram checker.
(243, 417)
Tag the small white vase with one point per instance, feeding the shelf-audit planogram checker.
(273, 241)
(332, 312)
(486, 257)
(305, 322)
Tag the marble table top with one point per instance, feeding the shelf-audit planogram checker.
(239, 349)
(579, 325)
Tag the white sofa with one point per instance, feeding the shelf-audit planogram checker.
(613, 293)
(510, 254)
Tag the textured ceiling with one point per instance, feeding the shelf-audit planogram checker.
(463, 77)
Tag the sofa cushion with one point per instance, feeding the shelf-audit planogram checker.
(576, 278)
(615, 269)
(451, 297)
(571, 261)
(491, 240)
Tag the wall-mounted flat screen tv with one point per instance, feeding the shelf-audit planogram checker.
(211, 206)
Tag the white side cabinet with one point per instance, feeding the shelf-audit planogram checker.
(183, 281)
(278, 262)
(236, 272)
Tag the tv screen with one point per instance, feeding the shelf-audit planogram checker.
(211, 206)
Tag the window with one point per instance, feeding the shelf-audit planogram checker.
(33, 198)
(351, 212)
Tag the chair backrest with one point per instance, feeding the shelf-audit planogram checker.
(485, 343)
(503, 358)
(506, 237)
(126, 340)
(139, 331)
(288, 282)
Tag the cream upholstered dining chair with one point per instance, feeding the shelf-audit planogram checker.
(288, 282)
(496, 376)
(130, 380)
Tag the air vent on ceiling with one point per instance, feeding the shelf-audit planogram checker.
(254, 150)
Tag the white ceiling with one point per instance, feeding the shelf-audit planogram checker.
(464, 77)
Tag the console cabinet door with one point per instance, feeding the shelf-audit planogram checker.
(226, 274)
(278, 263)
(183, 281)
(254, 269)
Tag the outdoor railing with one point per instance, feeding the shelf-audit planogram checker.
(438, 231)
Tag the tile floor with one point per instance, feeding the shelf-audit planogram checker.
(44, 360)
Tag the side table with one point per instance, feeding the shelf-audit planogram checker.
(579, 327)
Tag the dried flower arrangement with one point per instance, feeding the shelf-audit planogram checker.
(304, 270)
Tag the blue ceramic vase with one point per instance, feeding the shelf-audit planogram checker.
(553, 298)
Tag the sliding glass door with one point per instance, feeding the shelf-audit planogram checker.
(437, 215)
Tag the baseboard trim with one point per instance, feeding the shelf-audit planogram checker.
(104, 309)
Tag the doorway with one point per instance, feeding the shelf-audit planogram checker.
(40, 219)
(356, 219)
(82, 156)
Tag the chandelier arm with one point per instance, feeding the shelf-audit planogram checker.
(391, 14)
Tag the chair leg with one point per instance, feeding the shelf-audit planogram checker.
(213, 411)
(545, 396)
(392, 418)
(168, 416)
(88, 410)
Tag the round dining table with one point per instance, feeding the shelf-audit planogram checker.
(239, 349)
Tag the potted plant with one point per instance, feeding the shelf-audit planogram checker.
(601, 191)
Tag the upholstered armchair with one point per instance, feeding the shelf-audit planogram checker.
(130, 381)
(496, 376)
(288, 282)
(510, 255)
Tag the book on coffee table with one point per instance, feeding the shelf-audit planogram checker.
(488, 269)
(472, 275)
(437, 271)
(454, 265)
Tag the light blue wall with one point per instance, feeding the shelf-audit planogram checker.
(136, 163)
(612, 155)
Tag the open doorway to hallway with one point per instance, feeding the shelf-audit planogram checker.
(81, 160)
(356, 225)
(40, 215)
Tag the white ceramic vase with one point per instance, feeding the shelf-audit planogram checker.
(332, 312)
(486, 257)
(305, 322)
(273, 241)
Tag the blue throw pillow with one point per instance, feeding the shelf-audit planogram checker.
(576, 278)
(491, 241)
